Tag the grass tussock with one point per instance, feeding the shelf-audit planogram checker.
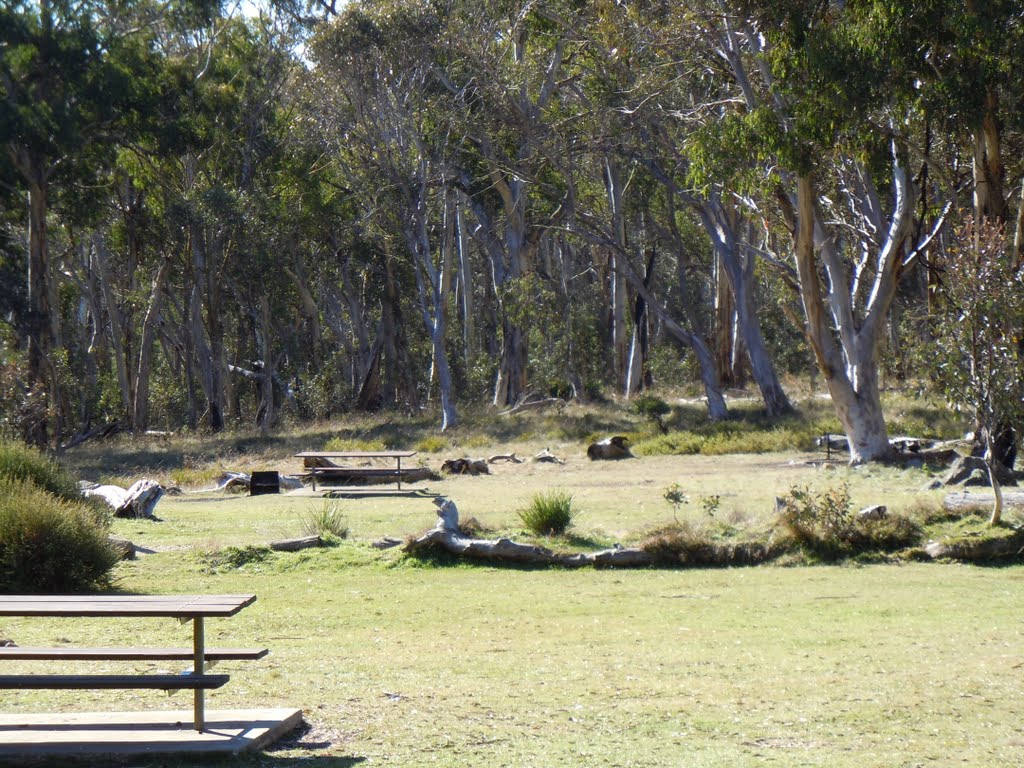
(549, 513)
(327, 521)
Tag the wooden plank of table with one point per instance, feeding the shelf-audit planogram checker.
(71, 653)
(183, 606)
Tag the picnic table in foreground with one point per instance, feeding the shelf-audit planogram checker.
(323, 464)
(185, 608)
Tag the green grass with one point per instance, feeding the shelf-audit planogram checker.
(465, 666)
(434, 662)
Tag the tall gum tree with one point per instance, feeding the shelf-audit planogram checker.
(828, 102)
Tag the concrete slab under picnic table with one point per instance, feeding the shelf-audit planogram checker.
(228, 731)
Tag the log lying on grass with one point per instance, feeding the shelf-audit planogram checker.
(966, 501)
(137, 501)
(979, 550)
(465, 466)
(447, 536)
(294, 545)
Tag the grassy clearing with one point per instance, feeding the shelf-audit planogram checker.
(412, 666)
(412, 663)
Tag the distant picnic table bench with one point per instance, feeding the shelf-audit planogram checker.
(194, 608)
(321, 464)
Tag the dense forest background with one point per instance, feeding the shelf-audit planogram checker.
(216, 216)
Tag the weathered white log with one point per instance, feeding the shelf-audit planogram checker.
(140, 500)
(556, 402)
(294, 545)
(114, 495)
(447, 536)
(547, 457)
(137, 501)
(966, 502)
(876, 512)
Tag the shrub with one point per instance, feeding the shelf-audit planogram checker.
(20, 463)
(686, 544)
(48, 544)
(326, 521)
(549, 514)
(825, 525)
(432, 444)
(654, 409)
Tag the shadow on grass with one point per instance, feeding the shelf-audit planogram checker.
(260, 759)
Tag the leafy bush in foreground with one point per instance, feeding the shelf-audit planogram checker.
(49, 544)
(549, 514)
(19, 463)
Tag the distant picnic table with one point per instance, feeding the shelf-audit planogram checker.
(322, 464)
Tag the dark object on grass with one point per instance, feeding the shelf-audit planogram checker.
(465, 467)
(261, 483)
(616, 447)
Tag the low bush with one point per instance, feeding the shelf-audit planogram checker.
(326, 521)
(20, 463)
(237, 557)
(825, 525)
(654, 409)
(687, 544)
(549, 514)
(50, 544)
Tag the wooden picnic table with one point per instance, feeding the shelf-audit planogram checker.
(194, 608)
(314, 470)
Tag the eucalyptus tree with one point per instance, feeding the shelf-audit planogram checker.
(73, 82)
(377, 62)
(504, 66)
(825, 111)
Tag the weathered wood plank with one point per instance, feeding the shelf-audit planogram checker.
(128, 654)
(91, 682)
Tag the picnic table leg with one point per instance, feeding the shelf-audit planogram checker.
(399, 458)
(198, 667)
(312, 475)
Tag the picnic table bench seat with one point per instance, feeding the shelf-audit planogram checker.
(90, 682)
(185, 608)
(128, 654)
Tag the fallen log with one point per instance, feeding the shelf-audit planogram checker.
(447, 536)
(981, 550)
(137, 501)
(294, 545)
(465, 466)
(547, 457)
(556, 402)
(973, 501)
(509, 457)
